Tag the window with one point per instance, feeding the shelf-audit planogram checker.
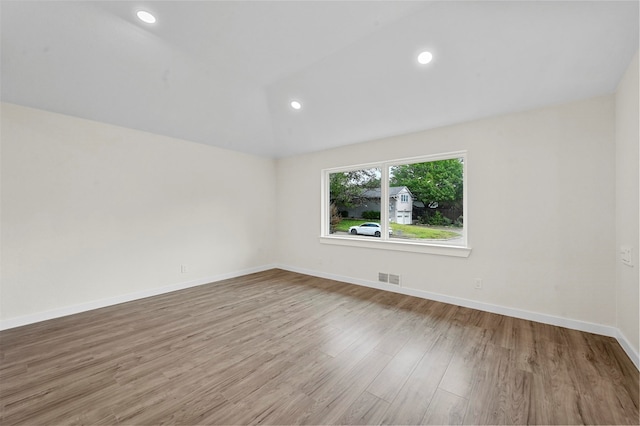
(354, 194)
(415, 204)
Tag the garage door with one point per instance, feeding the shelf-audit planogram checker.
(403, 218)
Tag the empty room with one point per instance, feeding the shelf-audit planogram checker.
(319, 212)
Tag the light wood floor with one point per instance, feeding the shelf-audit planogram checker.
(283, 348)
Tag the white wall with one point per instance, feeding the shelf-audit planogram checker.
(92, 212)
(627, 199)
(540, 220)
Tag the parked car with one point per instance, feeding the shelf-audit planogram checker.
(368, 228)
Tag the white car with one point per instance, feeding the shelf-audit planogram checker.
(368, 228)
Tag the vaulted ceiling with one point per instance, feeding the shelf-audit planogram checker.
(224, 72)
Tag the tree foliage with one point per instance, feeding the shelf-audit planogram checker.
(335, 218)
(434, 182)
(347, 188)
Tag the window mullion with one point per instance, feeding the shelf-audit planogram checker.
(325, 204)
(384, 202)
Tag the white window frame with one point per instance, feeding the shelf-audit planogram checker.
(384, 242)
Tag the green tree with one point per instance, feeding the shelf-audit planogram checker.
(347, 188)
(433, 183)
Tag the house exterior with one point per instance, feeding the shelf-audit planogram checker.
(400, 204)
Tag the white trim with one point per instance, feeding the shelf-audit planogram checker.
(628, 348)
(384, 203)
(396, 245)
(573, 324)
(384, 165)
(115, 300)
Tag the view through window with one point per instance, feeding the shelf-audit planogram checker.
(419, 200)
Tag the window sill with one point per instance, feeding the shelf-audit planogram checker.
(442, 250)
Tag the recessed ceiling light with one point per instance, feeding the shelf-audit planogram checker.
(295, 105)
(145, 16)
(425, 57)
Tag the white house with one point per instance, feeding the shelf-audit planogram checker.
(400, 204)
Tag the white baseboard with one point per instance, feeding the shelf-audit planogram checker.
(628, 348)
(102, 303)
(589, 327)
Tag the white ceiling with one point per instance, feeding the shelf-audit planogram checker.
(223, 73)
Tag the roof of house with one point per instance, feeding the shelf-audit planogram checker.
(393, 192)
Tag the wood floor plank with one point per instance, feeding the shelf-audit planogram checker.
(388, 383)
(445, 409)
(333, 401)
(278, 347)
(488, 394)
(470, 355)
(411, 403)
(368, 409)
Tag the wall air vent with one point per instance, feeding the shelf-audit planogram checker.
(394, 279)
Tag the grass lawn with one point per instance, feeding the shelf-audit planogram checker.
(407, 231)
